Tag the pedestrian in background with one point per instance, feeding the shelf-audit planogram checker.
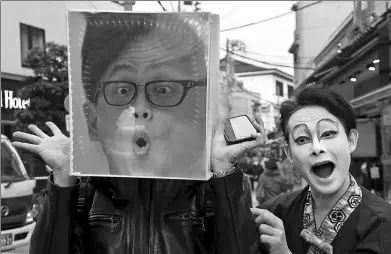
(271, 183)
(291, 174)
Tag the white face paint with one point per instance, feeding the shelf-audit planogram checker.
(317, 137)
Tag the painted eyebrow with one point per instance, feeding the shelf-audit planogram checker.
(326, 120)
(299, 125)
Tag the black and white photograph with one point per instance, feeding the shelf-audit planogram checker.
(199, 127)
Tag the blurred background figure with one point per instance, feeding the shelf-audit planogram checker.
(271, 182)
(291, 174)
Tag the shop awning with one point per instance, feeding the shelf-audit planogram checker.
(348, 54)
(371, 97)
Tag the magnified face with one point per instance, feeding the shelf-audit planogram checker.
(150, 110)
(320, 148)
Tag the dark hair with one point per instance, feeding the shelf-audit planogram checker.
(108, 33)
(316, 95)
(271, 164)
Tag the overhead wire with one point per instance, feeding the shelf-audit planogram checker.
(276, 56)
(161, 5)
(268, 63)
(271, 18)
(172, 6)
(93, 5)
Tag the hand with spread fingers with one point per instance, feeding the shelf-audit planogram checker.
(224, 156)
(271, 230)
(54, 150)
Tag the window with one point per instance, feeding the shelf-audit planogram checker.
(10, 167)
(30, 37)
(290, 91)
(279, 88)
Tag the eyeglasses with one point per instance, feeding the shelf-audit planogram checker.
(162, 93)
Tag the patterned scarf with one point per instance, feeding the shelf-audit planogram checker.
(320, 240)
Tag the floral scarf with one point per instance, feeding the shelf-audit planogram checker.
(320, 240)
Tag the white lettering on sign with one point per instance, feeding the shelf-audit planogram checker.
(8, 101)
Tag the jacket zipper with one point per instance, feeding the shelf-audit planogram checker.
(151, 217)
(112, 219)
(131, 236)
(185, 217)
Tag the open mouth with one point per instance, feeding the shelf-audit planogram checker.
(141, 143)
(323, 169)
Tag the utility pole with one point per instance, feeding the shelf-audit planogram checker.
(230, 74)
(179, 6)
(128, 5)
(231, 46)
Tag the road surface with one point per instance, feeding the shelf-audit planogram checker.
(20, 250)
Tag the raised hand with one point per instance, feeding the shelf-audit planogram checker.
(54, 150)
(223, 155)
(271, 230)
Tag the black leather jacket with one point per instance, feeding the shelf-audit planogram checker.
(146, 216)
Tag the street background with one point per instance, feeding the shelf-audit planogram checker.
(267, 50)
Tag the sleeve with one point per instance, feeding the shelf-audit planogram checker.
(234, 228)
(260, 181)
(55, 226)
(247, 189)
(378, 241)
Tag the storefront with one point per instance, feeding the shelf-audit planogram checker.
(10, 102)
(377, 103)
(361, 73)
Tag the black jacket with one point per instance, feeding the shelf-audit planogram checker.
(146, 216)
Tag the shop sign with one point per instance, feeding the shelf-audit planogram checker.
(8, 101)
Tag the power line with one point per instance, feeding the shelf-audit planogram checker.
(267, 63)
(268, 19)
(93, 5)
(161, 5)
(258, 54)
(251, 51)
(274, 64)
(172, 6)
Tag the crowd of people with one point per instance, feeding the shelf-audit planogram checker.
(269, 177)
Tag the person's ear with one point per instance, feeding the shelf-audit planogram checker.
(353, 139)
(89, 109)
(288, 153)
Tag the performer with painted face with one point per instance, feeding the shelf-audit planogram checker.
(333, 214)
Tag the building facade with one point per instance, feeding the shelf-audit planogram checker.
(314, 28)
(236, 100)
(356, 63)
(25, 25)
(273, 86)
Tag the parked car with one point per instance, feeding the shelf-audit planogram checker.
(17, 214)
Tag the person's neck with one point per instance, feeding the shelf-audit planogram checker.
(323, 203)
